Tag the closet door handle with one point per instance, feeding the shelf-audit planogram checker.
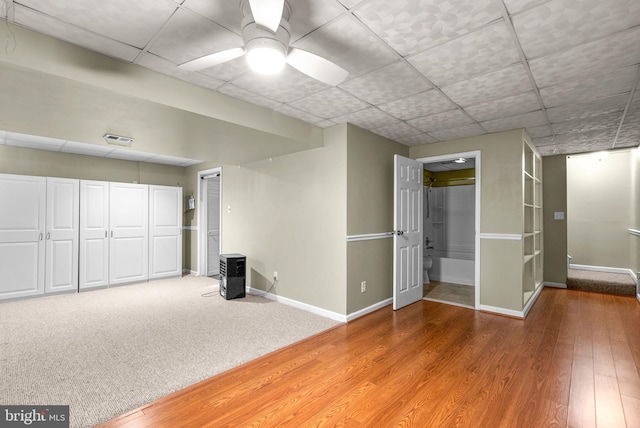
(48, 235)
(112, 233)
(105, 233)
(40, 237)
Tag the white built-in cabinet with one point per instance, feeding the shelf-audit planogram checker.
(59, 234)
(22, 249)
(61, 240)
(165, 231)
(129, 235)
(94, 234)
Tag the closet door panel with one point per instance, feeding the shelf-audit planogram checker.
(22, 225)
(94, 230)
(61, 273)
(165, 231)
(129, 235)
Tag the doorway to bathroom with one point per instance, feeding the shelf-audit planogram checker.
(451, 224)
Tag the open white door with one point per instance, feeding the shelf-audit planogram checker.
(407, 238)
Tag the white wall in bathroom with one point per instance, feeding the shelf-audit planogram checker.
(451, 221)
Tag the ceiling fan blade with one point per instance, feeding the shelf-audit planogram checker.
(212, 59)
(267, 13)
(317, 67)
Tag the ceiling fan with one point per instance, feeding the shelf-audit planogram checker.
(266, 35)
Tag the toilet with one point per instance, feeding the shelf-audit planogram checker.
(427, 262)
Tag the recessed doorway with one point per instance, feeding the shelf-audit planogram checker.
(451, 225)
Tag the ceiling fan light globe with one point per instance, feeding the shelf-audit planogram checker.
(265, 60)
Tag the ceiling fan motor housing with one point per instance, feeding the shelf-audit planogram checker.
(255, 36)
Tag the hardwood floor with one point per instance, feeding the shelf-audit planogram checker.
(572, 363)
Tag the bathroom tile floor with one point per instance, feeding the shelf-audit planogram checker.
(446, 292)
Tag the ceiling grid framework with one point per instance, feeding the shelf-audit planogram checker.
(421, 71)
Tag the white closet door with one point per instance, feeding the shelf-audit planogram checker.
(94, 229)
(213, 225)
(129, 235)
(22, 249)
(165, 231)
(61, 271)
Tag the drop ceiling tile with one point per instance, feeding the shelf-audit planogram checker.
(130, 155)
(422, 104)
(526, 120)
(417, 140)
(368, 118)
(73, 34)
(559, 24)
(544, 141)
(397, 131)
(601, 139)
(229, 70)
(330, 103)
(461, 132)
(630, 133)
(592, 123)
(225, 13)
(350, 3)
(447, 120)
(598, 86)
(163, 66)
(325, 123)
(288, 85)
(307, 15)
(539, 131)
(33, 141)
(515, 6)
(298, 114)
(587, 109)
(481, 51)
(600, 56)
(134, 23)
(547, 151)
(491, 86)
(410, 26)
(350, 45)
(242, 94)
(392, 82)
(86, 149)
(513, 105)
(188, 36)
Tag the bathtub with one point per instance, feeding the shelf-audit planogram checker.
(453, 266)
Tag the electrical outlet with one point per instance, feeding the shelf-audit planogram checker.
(275, 275)
(363, 286)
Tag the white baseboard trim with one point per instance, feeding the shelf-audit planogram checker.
(357, 314)
(510, 312)
(638, 297)
(602, 269)
(502, 311)
(320, 311)
(296, 304)
(554, 284)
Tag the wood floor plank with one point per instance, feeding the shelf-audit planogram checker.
(573, 362)
(609, 412)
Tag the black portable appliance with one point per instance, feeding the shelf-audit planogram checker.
(232, 275)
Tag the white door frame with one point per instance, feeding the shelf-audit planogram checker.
(472, 154)
(202, 216)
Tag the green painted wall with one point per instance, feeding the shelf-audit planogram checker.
(555, 231)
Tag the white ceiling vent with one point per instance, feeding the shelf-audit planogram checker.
(118, 140)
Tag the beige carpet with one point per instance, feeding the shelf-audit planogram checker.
(602, 282)
(108, 351)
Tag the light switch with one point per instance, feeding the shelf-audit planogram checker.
(558, 215)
